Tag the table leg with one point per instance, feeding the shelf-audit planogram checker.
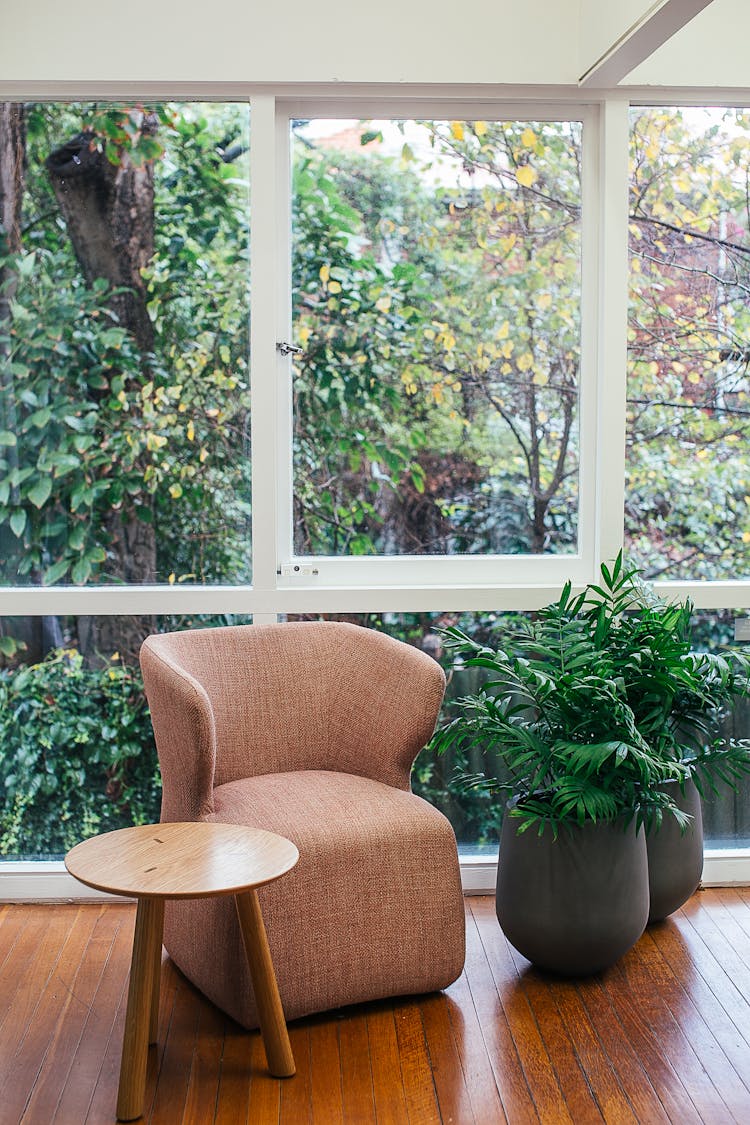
(153, 1026)
(270, 1012)
(148, 930)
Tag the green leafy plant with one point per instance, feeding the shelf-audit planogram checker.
(554, 709)
(595, 703)
(677, 696)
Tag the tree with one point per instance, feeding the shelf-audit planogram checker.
(688, 472)
(131, 432)
(470, 377)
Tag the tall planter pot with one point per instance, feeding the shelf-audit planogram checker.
(675, 858)
(573, 904)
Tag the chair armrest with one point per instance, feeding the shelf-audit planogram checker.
(183, 723)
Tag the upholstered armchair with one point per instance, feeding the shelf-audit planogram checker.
(310, 730)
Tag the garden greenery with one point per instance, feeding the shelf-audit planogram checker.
(77, 751)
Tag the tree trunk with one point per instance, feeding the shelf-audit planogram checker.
(109, 212)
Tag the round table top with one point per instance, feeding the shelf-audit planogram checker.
(190, 860)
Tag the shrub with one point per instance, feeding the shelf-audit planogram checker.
(77, 754)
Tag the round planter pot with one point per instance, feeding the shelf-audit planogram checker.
(577, 903)
(675, 858)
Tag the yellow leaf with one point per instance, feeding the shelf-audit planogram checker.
(190, 431)
(480, 128)
(457, 130)
(542, 416)
(701, 454)
(540, 378)
(334, 286)
(507, 349)
(324, 273)
(507, 243)
(528, 138)
(746, 536)
(525, 175)
(525, 361)
(171, 579)
(203, 455)
(694, 377)
(544, 300)
(506, 369)
(437, 392)
(383, 304)
(175, 491)
(503, 330)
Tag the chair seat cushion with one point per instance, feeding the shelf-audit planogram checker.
(373, 908)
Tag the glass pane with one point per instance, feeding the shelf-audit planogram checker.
(124, 397)
(726, 813)
(688, 454)
(436, 294)
(77, 753)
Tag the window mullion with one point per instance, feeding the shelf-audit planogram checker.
(263, 325)
(612, 304)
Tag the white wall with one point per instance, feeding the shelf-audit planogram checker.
(712, 50)
(419, 41)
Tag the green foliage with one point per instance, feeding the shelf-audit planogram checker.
(412, 305)
(92, 434)
(595, 702)
(76, 754)
(677, 696)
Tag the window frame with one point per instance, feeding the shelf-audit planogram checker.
(443, 571)
(348, 587)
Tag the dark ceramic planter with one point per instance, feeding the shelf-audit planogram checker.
(675, 859)
(573, 905)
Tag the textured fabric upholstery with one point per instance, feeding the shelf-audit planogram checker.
(310, 730)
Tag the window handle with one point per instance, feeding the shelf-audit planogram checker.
(287, 349)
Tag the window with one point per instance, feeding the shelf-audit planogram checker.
(436, 293)
(447, 442)
(124, 402)
(688, 461)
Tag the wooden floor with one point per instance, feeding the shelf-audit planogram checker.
(663, 1036)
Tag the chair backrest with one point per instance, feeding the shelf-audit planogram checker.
(303, 695)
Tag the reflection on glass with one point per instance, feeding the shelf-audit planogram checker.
(436, 293)
(124, 400)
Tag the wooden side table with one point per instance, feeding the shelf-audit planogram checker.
(154, 862)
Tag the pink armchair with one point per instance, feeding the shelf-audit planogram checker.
(310, 730)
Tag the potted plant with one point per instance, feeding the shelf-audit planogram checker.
(572, 890)
(677, 697)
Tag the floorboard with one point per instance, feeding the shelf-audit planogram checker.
(661, 1037)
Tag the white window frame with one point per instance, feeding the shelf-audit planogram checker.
(427, 583)
(442, 571)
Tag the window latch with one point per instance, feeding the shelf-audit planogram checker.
(287, 349)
